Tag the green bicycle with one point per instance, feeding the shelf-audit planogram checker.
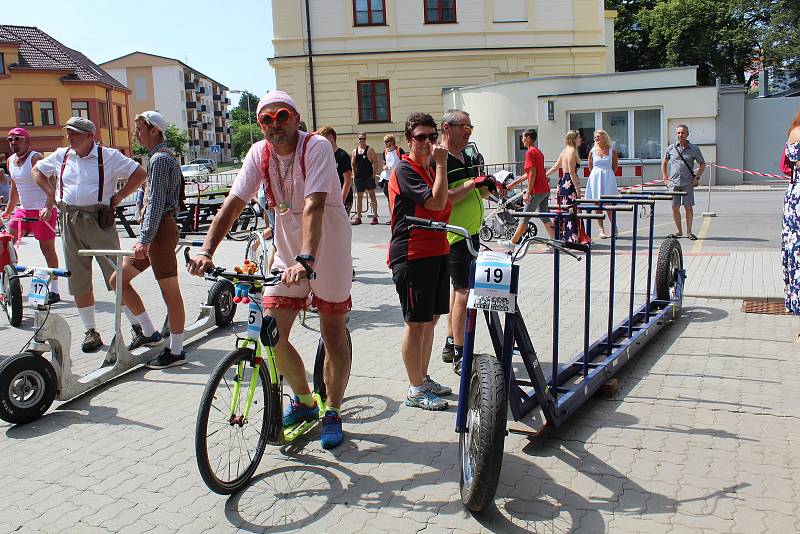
(241, 410)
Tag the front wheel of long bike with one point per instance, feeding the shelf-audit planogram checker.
(229, 443)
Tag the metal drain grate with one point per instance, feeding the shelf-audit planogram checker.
(769, 307)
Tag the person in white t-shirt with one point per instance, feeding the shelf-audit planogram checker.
(392, 155)
(81, 195)
(31, 199)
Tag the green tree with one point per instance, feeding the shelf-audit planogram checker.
(240, 137)
(632, 49)
(240, 112)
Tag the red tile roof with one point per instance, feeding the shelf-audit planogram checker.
(40, 51)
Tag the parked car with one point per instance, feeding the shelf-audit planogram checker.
(195, 172)
(210, 164)
(472, 151)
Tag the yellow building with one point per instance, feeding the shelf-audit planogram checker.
(43, 83)
(364, 65)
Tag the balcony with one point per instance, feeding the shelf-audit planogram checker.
(191, 105)
(217, 98)
(188, 85)
(219, 129)
(218, 113)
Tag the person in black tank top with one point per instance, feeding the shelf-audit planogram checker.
(365, 164)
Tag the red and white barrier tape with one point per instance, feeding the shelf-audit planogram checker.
(754, 173)
(645, 184)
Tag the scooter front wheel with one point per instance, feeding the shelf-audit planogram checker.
(232, 429)
(27, 387)
(12, 290)
(480, 446)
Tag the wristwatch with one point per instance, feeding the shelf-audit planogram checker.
(205, 253)
(306, 260)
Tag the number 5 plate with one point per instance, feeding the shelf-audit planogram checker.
(492, 288)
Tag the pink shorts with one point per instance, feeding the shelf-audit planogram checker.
(42, 230)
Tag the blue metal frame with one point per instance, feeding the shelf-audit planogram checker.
(598, 361)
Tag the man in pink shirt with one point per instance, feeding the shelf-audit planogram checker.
(298, 171)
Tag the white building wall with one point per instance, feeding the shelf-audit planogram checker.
(167, 92)
(500, 110)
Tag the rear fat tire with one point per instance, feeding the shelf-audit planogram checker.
(220, 296)
(27, 387)
(480, 448)
(13, 290)
(670, 261)
(319, 367)
(271, 405)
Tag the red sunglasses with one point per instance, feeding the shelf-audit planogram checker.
(280, 116)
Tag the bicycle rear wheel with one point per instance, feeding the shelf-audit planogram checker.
(257, 251)
(228, 445)
(319, 367)
(246, 223)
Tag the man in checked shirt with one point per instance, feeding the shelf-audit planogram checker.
(156, 245)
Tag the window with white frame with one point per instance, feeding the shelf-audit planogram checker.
(635, 133)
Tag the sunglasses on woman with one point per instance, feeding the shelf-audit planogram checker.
(280, 116)
(420, 138)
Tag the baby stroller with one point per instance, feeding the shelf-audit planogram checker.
(499, 223)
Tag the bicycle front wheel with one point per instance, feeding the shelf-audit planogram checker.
(232, 427)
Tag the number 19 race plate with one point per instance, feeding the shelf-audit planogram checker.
(492, 288)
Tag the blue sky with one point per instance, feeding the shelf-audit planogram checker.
(228, 41)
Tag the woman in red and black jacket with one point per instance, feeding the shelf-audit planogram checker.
(419, 258)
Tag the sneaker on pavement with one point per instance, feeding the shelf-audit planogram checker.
(506, 243)
(91, 341)
(331, 434)
(435, 387)
(139, 339)
(356, 221)
(297, 412)
(426, 401)
(448, 352)
(166, 359)
(52, 298)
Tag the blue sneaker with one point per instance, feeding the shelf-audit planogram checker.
(297, 412)
(331, 434)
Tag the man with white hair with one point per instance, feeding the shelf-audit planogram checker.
(156, 246)
(85, 176)
(312, 235)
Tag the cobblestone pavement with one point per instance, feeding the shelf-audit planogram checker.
(702, 437)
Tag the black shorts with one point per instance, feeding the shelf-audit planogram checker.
(460, 262)
(365, 184)
(422, 288)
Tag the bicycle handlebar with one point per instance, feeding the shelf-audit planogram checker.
(29, 271)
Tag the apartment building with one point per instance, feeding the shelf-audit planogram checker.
(364, 65)
(185, 97)
(43, 83)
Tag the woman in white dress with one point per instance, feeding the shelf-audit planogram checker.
(602, 168)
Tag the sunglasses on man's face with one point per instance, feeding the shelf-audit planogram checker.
(362, 138)
(420, 138)
(14, 138)
(280, 116)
